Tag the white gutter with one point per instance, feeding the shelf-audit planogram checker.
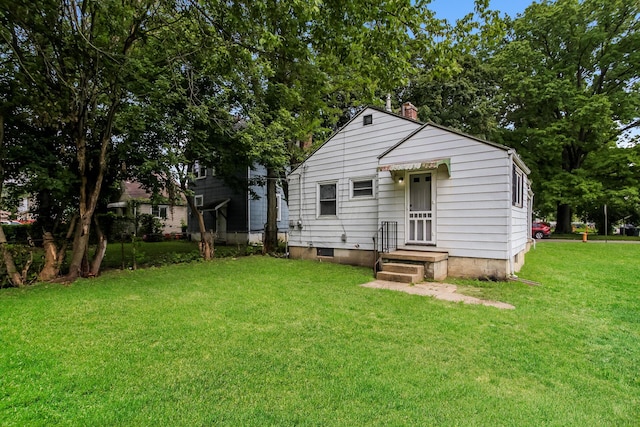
(518, 161)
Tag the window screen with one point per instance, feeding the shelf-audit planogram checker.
(328, 199)
(363, 188)
(325, 252)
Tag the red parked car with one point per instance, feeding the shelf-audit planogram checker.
(540, 230)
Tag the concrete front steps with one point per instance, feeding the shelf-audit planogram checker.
(404, 273)
(412, 266)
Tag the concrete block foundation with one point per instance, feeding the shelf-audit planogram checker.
(458, 267)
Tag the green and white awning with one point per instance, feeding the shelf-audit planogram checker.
(417, 166)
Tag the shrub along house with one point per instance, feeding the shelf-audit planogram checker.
(386, 190)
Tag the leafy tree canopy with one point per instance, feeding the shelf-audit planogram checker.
(570, 78)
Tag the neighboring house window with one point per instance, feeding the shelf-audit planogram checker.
(159, 211)
(517, 184)
(327, 199)
(367, 120)
(198, 200)
(362, 188)
(199, 171)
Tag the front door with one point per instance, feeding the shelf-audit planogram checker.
(420, 213)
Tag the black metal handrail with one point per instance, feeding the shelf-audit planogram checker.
(384, 241)
(388, 236)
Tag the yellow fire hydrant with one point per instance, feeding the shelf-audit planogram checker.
(584, 236)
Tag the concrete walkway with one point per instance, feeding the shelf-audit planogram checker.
(443, 291)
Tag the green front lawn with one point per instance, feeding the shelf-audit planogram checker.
(264, 341)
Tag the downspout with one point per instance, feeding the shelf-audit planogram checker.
(510, 217)
(301, 191)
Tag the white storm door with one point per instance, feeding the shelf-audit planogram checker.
(419, 213)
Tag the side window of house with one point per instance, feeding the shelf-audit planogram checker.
(159, 211)
(328, 199)
(517, 190)
(199, 171)
(362, 188)
(198, 200)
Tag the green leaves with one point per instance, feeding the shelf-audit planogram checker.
(567, 70)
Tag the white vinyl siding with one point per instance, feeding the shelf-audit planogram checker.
(473, 212)
(472, 204)
(349, 155)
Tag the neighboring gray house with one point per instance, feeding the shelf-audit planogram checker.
(235, 217)
(458, 205)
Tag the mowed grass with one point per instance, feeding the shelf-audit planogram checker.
(264, 341)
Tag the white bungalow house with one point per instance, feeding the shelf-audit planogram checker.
(386, 189)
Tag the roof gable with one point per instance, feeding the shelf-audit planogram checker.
(446, 129)
(509, 150)
(357, 116)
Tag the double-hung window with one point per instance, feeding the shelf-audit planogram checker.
(159, 211)
(362, 188)
(517, 187)
(328, 200)
(198, 200)
(199, 171)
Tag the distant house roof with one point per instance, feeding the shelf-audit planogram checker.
(132, 190)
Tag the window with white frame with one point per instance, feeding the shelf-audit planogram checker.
(362, 187)
(199, 171)
(327, 199)
(159, 211)
(198, 200)
(517, 187)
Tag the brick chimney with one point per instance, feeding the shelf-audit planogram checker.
(409, 111)
(306, 144)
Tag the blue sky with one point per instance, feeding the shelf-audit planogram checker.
(454, 9)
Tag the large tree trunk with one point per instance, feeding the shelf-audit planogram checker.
(89, 189)
(51, 267)
(54, 256)
(206, 238)
(271, 227)
(12, 271)
(563, 219)
(79, 251)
